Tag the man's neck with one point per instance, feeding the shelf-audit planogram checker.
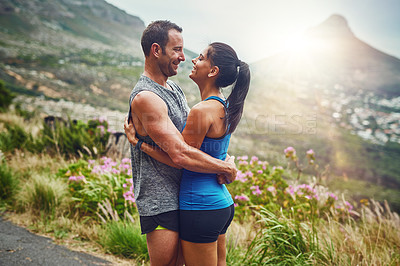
(156, 76)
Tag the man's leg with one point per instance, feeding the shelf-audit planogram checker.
(163, 247)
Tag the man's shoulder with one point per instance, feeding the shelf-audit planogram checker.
(147, 97)
(173, 85)
(144, 83)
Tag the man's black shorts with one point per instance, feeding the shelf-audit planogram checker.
(169, 220)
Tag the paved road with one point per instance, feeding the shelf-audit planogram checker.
(18, 246)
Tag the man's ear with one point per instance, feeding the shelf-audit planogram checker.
(156, 49)
(213, 72)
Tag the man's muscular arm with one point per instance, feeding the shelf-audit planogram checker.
(153, 114)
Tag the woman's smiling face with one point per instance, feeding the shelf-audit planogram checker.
(201, 67)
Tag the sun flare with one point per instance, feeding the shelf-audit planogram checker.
(297, 43)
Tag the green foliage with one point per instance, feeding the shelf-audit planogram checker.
(8, 182)
(91, 184)
(69, 139)
(283, 241)
(124, 238)
(15, 137)
(257, 184)
(75, 138)
(42, 194)
(6, 97)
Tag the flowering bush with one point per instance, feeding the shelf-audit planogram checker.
(260, 185)
(92, 181)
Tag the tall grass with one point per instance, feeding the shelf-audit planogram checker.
(283, 241)
(43, 194)
(8, 182)
(124, 238)
(372, 238)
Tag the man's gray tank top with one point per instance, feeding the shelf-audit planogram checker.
(156, 185)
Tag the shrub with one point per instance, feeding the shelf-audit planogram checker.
(260, 185)
(124, 238)
(90, 183)
(8, 182)
(6, 97)
(15, 137)
(75, 138)
(42, 194)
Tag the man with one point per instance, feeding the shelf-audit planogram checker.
(158, 110)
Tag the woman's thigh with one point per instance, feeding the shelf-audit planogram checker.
(200, 254)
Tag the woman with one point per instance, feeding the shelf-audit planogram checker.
(206, 207)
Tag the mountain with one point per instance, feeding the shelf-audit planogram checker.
(333, 93)
(82, 24)
(82, 51)
(330, 53)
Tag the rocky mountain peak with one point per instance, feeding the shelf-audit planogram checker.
(335, 26)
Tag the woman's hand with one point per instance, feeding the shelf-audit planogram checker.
(130, 132)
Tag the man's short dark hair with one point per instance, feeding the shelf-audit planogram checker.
(157, 32)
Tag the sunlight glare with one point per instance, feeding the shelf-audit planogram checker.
(297, 43)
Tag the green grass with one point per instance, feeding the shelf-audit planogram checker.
(283, 241)
(8, 182)
(43, 194)
(15, 137)
(124, 238)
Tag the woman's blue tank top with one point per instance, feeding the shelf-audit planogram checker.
(201, 191)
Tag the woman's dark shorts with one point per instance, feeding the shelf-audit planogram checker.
(205, 226)
(169, 220)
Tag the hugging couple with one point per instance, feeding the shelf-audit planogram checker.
(179, 155)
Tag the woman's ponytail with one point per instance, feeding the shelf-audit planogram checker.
(235, 101)
(231, 71)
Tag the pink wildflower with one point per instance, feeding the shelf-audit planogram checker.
(272, 189)
(126, 160)
(102, 119)
(277, 167)
(242, 197)
(310, 152)
(254, 158)
(256, 190)
(241, 177)
(249, 173)
(289, 152)
(331, 195)
(101, 127)
(348, 205)
(112, 131)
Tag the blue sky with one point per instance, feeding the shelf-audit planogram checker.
(260, 28)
